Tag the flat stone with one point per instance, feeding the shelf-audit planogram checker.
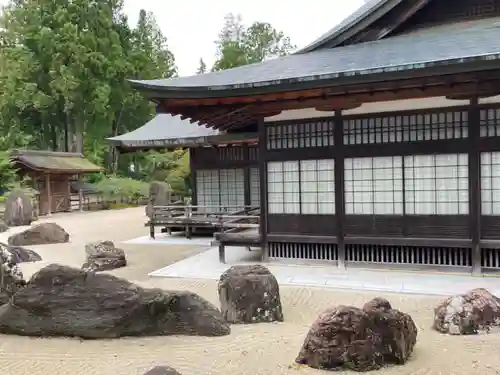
(162, 370)
(40, 234)
(64, 301)
(103, 256)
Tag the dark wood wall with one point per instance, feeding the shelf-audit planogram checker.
(469, 130)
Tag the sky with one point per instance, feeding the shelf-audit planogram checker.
(192, 26)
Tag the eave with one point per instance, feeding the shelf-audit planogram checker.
(377, 74)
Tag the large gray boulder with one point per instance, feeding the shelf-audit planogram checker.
(250, 294)
(18, 209)
(473, 312)
(349, 338)
(40, 234)
(63, 301)
(103, 256)
(11, 276)
(160, 194)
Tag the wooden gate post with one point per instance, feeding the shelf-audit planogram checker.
(49, 194)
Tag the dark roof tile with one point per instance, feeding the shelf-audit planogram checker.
(438, 45)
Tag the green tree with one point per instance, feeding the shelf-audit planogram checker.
(240, 45)
(202, 68)
(64, 68)
(74, 54)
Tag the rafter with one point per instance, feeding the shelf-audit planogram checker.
(228, 116)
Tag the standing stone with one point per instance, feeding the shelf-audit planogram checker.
(162, 370)
(41, 234)
(159, 195)
(348, 338)
(473, 312)
(250, 294)
(18, 209)
(103, 256)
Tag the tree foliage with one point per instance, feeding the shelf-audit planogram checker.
(202, 68)
(240, 45)
(64, 70)
(64, 67)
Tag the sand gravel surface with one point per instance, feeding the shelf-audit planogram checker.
(249, 350)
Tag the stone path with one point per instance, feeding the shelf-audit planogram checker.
(206, 266)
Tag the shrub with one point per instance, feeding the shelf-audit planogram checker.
(122, 189)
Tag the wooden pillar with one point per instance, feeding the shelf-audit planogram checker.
(475, 185)
(68, 197)
(48, 191)
(263, 190)
(339, 186)
(247, 176)
(192, 170)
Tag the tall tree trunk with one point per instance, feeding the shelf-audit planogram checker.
(67, 133)
(115, 153)
(54, 140)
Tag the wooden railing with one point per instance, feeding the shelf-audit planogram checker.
(242, 220)
(194, 217)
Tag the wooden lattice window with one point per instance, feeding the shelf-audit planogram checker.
(406, 128)
(489, 122)
(254, 187)
(231, 153)
(317, 133)
(253, 153)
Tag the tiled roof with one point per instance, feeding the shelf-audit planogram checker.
(163, 130)
(448, 44)
(49, 161)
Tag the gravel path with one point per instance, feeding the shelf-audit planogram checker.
(256, 349)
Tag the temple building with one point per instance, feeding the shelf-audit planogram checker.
(378, 143)
(221, 175)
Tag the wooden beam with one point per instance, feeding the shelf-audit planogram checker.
(437, 80)
(249, 113)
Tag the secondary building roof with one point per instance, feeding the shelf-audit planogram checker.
(166, 131)
(54, 162)
(409, 52)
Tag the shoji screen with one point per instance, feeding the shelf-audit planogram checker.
(207, 189)
(232, 189)
(374, 186)
(436, 184)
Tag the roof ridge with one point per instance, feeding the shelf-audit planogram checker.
(23, 152)
(356, 17)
